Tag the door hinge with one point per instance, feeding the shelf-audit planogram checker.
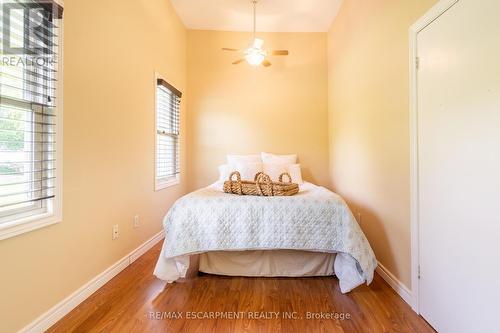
(417, 62)
(418, 272)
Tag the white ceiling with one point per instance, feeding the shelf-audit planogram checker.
(272, 15)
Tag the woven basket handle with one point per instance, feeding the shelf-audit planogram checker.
(262, 178)
(257, 175)
(285, 174)
(238, 181)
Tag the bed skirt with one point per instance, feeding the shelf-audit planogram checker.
(270, 263)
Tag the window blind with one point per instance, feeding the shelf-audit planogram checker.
(168, 101)
(28, 115)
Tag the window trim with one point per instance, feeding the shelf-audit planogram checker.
(163, 183)
(54, 213)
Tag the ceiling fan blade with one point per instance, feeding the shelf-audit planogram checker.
(266, 63)
(229, 49)
(279, 52)
(238, 61)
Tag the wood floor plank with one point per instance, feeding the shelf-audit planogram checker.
(135, 301)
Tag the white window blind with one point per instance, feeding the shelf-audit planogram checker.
(28, 109)
(168, 101)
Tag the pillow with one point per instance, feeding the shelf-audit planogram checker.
(279, 159)
(234, 159)
(224, 172)
(247, 170)
(295, 173)
(275, 170)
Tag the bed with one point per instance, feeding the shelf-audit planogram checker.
(312, 233)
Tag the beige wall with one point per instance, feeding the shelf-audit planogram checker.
(243, 109)
(368, 116)
(111, 52)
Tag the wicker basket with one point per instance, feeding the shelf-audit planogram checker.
(262, 185)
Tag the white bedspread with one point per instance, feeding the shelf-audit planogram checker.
(315, 219)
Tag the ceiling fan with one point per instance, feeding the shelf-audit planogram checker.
(255, 55)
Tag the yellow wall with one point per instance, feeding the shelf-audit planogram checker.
(243, 109)
(369, 124)
(111, 52)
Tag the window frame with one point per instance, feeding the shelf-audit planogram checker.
(53, 213)
(166, 182)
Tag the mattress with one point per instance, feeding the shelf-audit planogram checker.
(290, 263)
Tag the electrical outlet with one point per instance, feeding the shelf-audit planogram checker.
(115, 232)
(137, 222)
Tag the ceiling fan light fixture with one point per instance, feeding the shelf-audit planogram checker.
(258, 43)
(254, 56)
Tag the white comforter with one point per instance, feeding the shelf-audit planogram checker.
(315, 219)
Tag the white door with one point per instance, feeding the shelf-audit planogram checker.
(459, 168)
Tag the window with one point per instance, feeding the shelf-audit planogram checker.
(168, 101)
(30, 140)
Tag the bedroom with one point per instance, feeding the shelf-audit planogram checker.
(343, 106)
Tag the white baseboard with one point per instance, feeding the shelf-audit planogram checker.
(61, 309)
(395, 284)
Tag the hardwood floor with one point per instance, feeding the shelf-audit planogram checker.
(135, 301)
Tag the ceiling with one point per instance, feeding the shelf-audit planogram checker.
(272, 15)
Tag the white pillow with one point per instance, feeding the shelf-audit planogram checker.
(275, 170)
(247, 170)
(278, 159)
(295, 173)
(224, 172)
(234, 159)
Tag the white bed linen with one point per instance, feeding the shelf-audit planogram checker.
(315, 219)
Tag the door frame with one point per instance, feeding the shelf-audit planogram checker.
(434, 13)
